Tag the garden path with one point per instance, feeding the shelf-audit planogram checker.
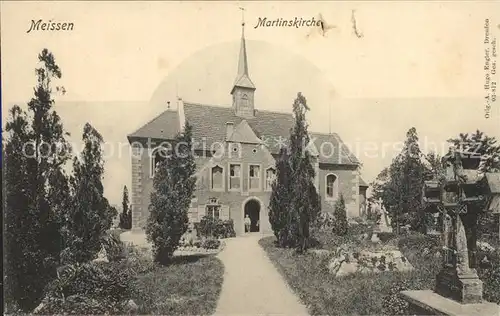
(252, 285)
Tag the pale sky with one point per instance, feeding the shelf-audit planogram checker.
(417, 64)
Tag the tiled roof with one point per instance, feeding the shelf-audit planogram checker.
(209, 123)
(209, 126)
(332, 149)
(164, 126)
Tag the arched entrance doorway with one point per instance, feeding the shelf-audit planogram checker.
(252, 209)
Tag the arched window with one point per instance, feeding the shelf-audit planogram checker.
(332, 188)
(244, 100)
(270, 177)
(217, 176)
(159, 155)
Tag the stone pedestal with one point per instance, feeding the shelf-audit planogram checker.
(430, 303)
(463, 288)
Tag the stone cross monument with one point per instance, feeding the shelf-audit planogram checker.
(458, 196)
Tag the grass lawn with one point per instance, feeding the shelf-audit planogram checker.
(357, 294)
(189, 286)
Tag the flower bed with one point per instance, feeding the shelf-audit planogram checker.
(206, 246)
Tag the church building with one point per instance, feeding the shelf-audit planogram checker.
(236, 147)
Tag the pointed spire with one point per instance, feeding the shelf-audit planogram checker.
(243, 62)
(242, 78)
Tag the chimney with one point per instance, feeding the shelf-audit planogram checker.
(229, 129)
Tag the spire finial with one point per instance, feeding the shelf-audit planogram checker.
(242, 21)
(242, 16)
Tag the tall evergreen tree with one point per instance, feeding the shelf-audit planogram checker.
(304, 205)
(36, 151)
(173, 188)
(90, 214)
(279, 202)
(340, 217)
(400, 185)
(126, 215)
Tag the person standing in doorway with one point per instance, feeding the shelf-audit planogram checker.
(247, 223)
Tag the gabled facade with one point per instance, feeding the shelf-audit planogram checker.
(236, 149)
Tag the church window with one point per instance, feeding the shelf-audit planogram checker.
(244, 100)
(331, 186)
(217, 178)
(270, 177)
(158, 156)
(254, 177)
(234, 176)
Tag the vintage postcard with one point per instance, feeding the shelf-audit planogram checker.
(251, 158)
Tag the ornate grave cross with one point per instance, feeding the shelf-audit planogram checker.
(459, 196)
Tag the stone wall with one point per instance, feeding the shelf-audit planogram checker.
(348, 186)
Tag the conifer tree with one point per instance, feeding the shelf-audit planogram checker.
(35, 153)
(280, 199)
(126, 215)
(90, 214)
(304, 201)
(340, 217)
(400, 185)
(173, 189)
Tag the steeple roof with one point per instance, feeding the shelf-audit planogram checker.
(242, 78)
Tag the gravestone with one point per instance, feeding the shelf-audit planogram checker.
(458, 197)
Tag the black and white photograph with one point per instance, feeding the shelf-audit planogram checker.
(250, 158)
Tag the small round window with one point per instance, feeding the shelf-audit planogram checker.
(235, 149)
(254, 150)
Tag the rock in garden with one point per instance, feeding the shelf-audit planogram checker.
(131, 306)
(369, 262)
(347, 269)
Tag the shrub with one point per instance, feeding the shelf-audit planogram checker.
(215, 228)
(490, 275)
(90, 288)
(210, 243)
(386, 236)
(392, 304)
(420, 241)
(325, 220)
(115, 249)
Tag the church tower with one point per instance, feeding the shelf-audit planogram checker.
(243, 89)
